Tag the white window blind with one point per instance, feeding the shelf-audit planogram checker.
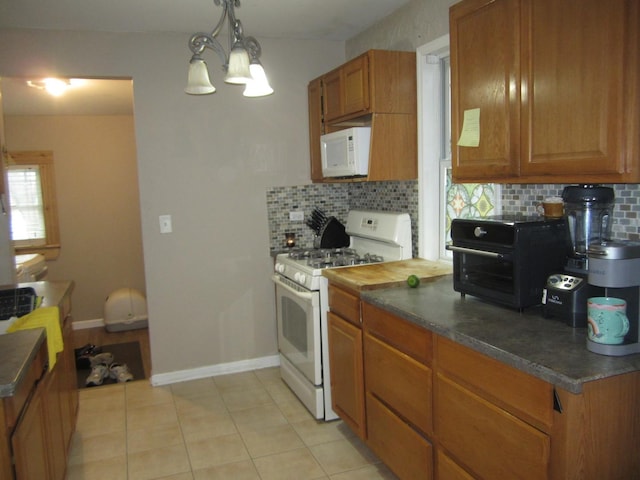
(27, 206)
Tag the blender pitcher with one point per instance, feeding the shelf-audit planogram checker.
(589, 216)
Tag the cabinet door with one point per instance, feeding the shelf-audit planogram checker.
(575, 58)
(355, 77)
(491, 442)
(29, 441)
(68, 381)
(485, 66)
(347, 378)
(314, 91)
(56, 446)
(332, 95)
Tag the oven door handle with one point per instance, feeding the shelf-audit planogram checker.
(482, 253)
(304, 295)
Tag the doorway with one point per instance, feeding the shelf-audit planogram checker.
(90, 130)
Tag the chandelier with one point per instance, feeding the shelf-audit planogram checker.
(242, 65)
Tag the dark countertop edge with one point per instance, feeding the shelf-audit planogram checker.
(33, 339)
(553, 376)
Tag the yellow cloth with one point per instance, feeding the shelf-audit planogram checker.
(49, 319)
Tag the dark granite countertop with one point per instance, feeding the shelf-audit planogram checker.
(18, 349)
(546, 348)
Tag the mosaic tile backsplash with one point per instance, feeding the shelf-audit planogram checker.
(337, 199)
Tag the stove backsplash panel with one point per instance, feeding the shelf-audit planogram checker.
(336, 199)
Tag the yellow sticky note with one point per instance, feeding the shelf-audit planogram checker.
(470, 135)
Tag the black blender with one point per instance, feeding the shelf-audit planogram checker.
(588, 212)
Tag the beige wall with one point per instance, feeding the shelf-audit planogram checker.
(409, 27)
(98, 202)
(207, 161)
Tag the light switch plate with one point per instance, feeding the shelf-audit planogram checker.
(165, 224)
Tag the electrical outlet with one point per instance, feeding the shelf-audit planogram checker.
(296, 216)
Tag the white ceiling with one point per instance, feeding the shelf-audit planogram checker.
(298, 19)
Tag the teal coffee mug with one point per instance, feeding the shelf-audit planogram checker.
(607, 320)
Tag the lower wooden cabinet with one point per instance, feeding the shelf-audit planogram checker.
(403, 449)
(56, 453)
(489, 441)
(40, 418)
(69, 397)
(397, 355)
(347, 378)
(41, 439)
(29, 440)
(432, 408)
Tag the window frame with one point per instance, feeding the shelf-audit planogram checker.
(429, 142)
(432, 135)
(44, 160)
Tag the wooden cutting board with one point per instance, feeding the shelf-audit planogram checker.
(385, 275)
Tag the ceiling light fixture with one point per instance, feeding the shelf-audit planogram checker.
(53, 86)
(242, 65)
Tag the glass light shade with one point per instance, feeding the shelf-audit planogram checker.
(258, 86)
(55, 86)
(238, 71)
(198, 82)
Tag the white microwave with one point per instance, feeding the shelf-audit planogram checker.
(345, 153)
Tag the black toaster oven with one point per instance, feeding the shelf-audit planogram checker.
(506, 259)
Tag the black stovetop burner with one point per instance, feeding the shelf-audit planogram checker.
(333, 257)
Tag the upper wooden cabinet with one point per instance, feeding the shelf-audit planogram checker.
(347, 89)
(316, 127)
(556, 83)
(376, 89)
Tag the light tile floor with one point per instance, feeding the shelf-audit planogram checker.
(245, 426)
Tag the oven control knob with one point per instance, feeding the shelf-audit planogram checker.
(300, 277)
(280, 268)
(479, 232)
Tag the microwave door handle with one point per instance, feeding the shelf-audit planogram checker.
(305, 295)
(482, 253)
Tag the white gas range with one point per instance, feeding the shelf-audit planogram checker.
(302, 296)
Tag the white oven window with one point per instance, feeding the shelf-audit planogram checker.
(294, 325)
(298, 312)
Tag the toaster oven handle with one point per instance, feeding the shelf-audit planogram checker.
(482, 253)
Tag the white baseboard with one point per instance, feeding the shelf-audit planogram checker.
(215, 370)
(82, 324)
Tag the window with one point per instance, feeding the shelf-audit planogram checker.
(32, 200)
(440, 199)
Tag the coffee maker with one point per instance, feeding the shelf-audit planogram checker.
(588, 213)
(614, 268)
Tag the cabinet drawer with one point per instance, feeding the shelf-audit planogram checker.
(449, 470)
(345, 304)
(491, 442)
(523, 395)
(404, 450)
(399, 381)
(403, 335)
